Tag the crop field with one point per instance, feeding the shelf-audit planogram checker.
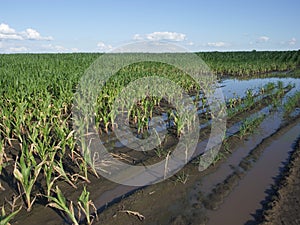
(48, 175)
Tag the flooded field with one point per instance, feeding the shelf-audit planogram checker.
(229, 191)
(48, 177)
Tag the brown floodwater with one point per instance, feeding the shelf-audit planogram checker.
(268, 127)
(240, 206)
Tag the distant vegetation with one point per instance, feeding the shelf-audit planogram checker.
(251, 63)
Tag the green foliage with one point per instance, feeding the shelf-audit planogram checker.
(85, 205)
(5, 217)
(181, 177)
(292, 102)
(59, 202)
(26, 171)
(251, 63)
(249, 125)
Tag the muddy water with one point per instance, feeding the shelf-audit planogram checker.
(268, 127)
(246, 197)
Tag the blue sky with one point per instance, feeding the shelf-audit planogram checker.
(89, 26)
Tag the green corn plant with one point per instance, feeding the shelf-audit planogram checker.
(249, 125)
(270, 86)
(249, 101)
(203, 102)
(291, 103)
(59, 168)
(84, 204)
(4, 160)
(84, 165)
(69, 142)
(279, 84)
(6, 128)
(2, 156)
(140, 122)
(106, 122)
(48, 173)
(245, 128)
(23, 173)
(87, 161)
(112, 117)
(179, 122)
(5, 217)
(151, 107)
(226, 145)
(218, 157)
(19, 120)
(160, 152)
(59, 202)
(182, 177)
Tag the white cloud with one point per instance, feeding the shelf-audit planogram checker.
(289, 43)
(54, 48)
(10, 37)
(161, 36)
(74, 49)
(60, 48)
(103, 47)
(8, 33)
(18, 49)
(262, 39)
(217, 44)
(5, 29)
(293, 41)
(137, 37)
(32, 34)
